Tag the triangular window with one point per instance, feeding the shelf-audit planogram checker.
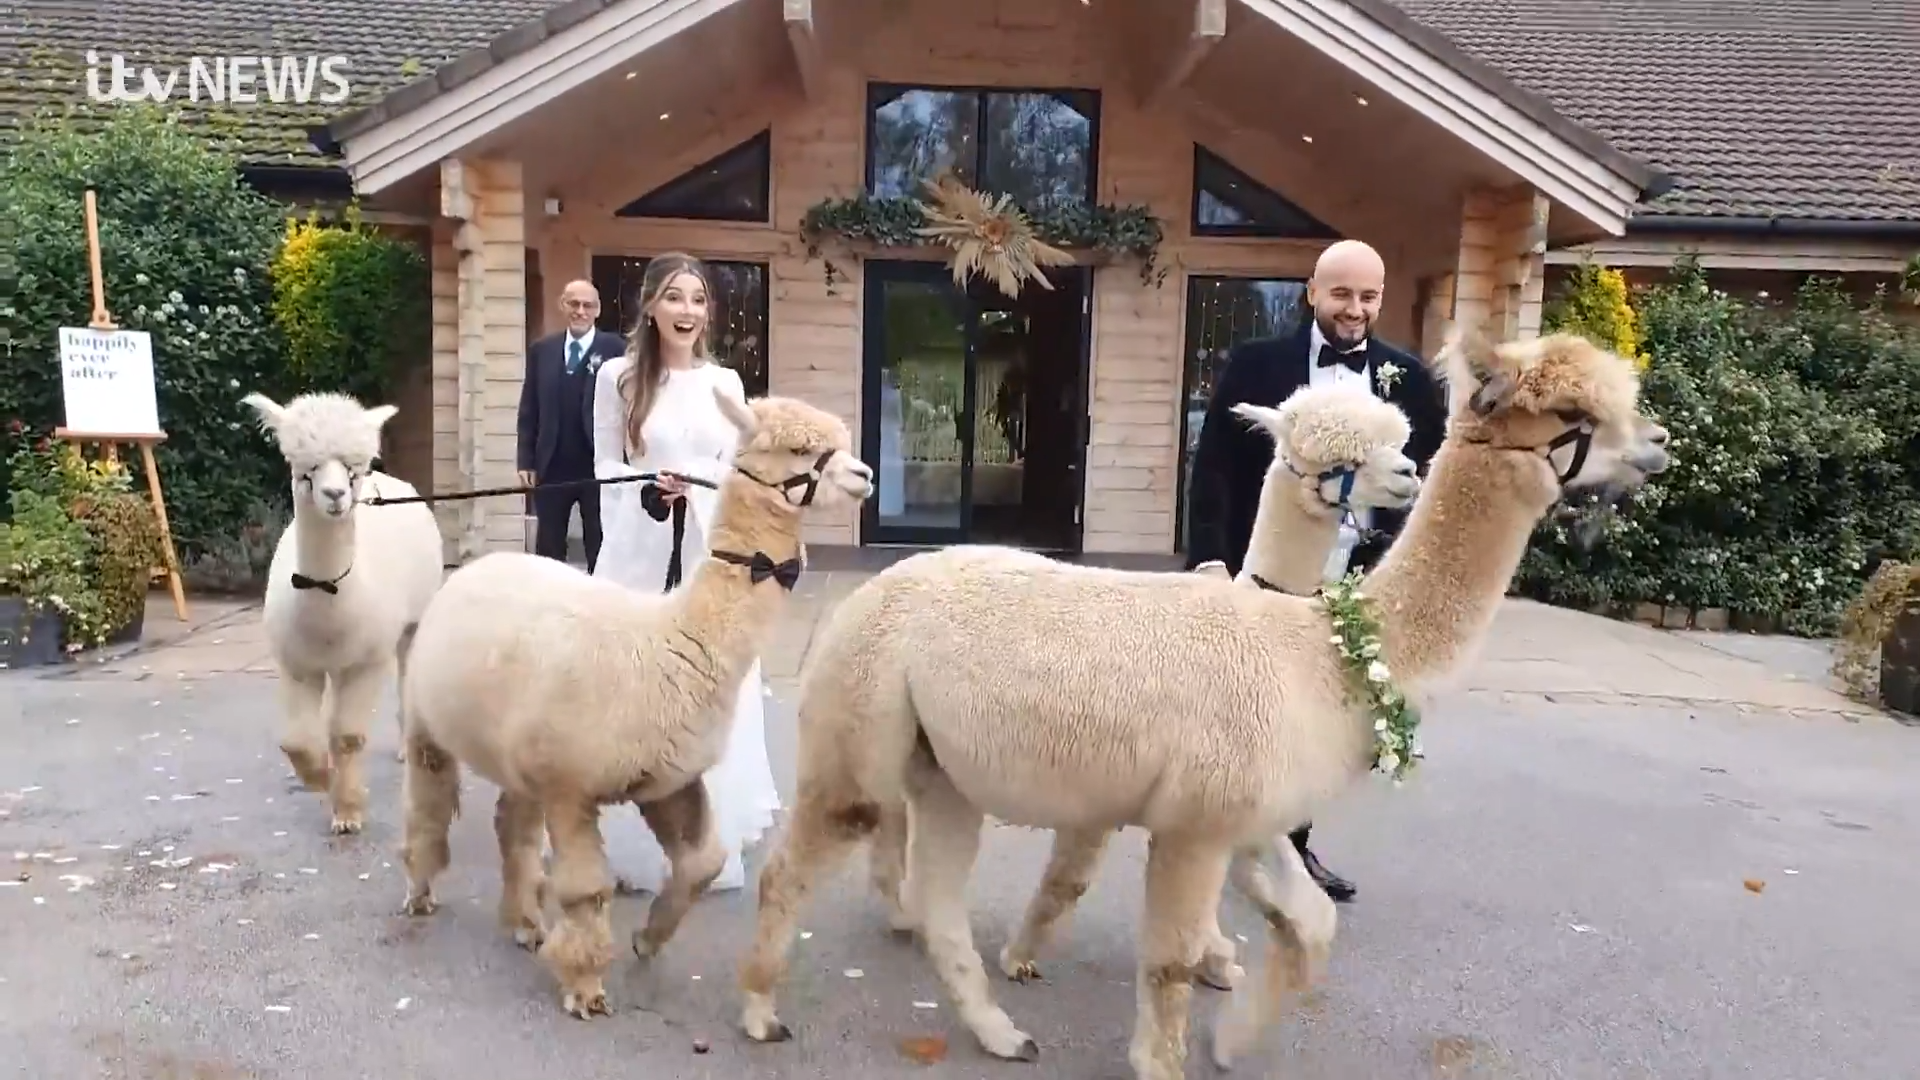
(734, 186)
(1228, 202)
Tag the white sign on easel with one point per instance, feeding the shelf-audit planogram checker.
(107, 377)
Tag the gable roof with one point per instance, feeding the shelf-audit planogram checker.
(387, 42)
(1784, 109)
(1790, 109)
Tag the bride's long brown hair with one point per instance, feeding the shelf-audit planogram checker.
(640, 384)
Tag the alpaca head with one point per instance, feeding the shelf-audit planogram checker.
(329, 441)
(801, 456)
(1344, 446)
(1566, 407)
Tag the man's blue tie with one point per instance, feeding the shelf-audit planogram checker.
(573, 355)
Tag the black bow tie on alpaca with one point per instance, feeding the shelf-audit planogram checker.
(760, 566)
(1356, 360)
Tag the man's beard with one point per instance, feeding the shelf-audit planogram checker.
(1336, 335)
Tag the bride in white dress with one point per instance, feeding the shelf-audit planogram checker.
(680, 428)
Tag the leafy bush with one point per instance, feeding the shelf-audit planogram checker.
(186, 248)
(352, 303)
(1596, 305)
(81, 541)
(1796, 446)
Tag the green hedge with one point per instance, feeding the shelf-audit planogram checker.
(1796, 442)
(186, 249)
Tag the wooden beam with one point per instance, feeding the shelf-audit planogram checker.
(806, 46)
(1209, 28)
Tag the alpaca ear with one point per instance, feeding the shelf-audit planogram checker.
(736, 411)
(1472, 366)
(380, 414)
(1277, 423)
(270, 414)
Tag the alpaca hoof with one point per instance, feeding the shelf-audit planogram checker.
(1027, 1051)
(586, 1006)
(1025, 971)
(1219, 973)
(423, 904)
(529, 938)
(643, 949)
(773, 1031)
(347, 825)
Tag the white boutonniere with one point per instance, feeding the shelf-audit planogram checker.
(1386, 375)
(594, 362)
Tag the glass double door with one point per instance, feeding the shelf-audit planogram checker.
(974, 408)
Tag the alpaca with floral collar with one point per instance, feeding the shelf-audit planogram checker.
(1336, 447)
(347, 585)
(1211, 714)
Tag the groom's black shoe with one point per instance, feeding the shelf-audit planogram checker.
(1339, 889)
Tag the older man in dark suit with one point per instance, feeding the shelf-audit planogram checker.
(1334, 344)
(556, 423)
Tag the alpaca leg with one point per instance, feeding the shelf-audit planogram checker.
(1301, 921)
(432, 793)
(518, 826)
(579, 949)
(1184, 878)
(1219, 966)
(356, 694)
(946, 840)
(304, 738)
(683, 823)
(887, 864)
(1076, 854)
(822, 832)
(400, 653)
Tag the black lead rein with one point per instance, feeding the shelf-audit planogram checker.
(556, 485)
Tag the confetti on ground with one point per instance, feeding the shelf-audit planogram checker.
(1580, 928)
(65, 859)
(854, 973)
(150, 734)
(308, 870)
(403, 1003)
(1754, 885)
(1789, 871)
(184, 798)
(280, 1008)
(282, 832)
(364, 877)
(244, 922)
(30, 790)
(235, 780)
(71, 723)
(153, 798)
(311, 937)
(231, 817)
(39, 900)
(926, 1004)
(109, 847)
(76, 882)
(168, 886)
(696, 978)
(925, 1049)
(805, 934)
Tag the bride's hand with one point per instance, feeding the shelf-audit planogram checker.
(671, 487)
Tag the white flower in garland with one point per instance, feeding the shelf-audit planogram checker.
(1386, 375)
(1357, 637)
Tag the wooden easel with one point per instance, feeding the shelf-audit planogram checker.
(109, 442)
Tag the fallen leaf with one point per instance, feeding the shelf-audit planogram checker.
(924, 1049)
(1755, 885)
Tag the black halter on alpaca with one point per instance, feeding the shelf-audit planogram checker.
(760, 565)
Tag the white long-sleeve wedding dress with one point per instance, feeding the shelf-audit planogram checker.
(686, 433)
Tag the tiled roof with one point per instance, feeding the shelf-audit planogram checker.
(1762, 108)
(387, 43)
(1788, 108)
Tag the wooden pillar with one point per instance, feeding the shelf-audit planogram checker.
(480, 350)
(1499, 277)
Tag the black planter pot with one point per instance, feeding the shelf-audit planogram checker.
(29, 638)
(130, 633)
(1900, 663)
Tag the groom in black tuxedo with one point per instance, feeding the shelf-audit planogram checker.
(556, 423)
(1334, 344)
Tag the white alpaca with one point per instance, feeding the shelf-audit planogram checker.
(570, 692)
(986, 680)
(1336, 448)
(347, 585)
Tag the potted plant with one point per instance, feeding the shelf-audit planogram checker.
(47, 605)
(1878, 654)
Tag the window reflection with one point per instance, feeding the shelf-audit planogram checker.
(1037, 146)
(1223, 312)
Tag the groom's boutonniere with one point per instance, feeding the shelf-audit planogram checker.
(1386, 375)
(594, 362)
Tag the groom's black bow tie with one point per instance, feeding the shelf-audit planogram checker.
(1356, 359)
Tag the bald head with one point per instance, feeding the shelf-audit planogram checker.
(580, 302)
(1348, 282)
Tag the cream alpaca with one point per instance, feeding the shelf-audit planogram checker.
(1215, 716)
(569, 692)
(1334, 447)
(347, 585)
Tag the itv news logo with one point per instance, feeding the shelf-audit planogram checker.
(228, 80)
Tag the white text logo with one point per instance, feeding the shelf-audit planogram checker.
(230, 80)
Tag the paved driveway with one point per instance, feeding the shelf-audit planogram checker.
(1561, 892)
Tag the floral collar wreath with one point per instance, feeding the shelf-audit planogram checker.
(1356, 633)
